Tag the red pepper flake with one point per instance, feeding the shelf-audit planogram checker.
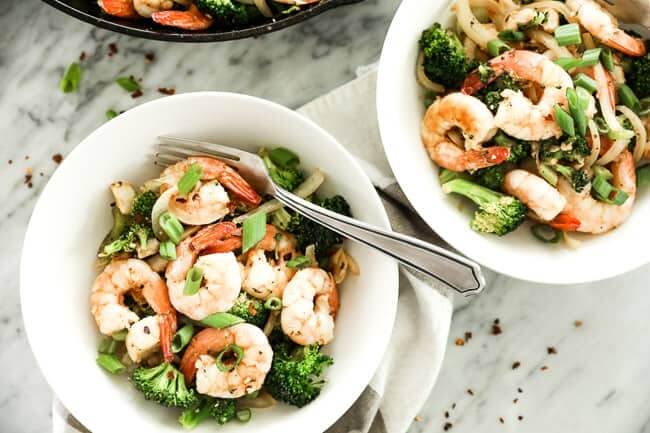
(469, 391)
(515, 365)
(136, 94)
(447, 426)
(460, 342)
(519, 390)
(28, 179)
(501, 420)
(82, 56)
(149, 57)
(446, 414)
(496, 329)
(167, 90)
(29, 185)
(544, 368)
(520, 417)
(577, 323)
(57, 157)
(515, 401)
(468, 335)
(112, 49)
(551, 350)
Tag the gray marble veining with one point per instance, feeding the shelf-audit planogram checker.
(597, 381)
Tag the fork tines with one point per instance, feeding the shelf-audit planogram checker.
(174, 149)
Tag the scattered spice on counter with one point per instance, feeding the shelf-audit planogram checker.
(167, 90)
(418, 418)
(82, 56)
(501, 420)
(149, 57)
(29, 170)
(520, 417)
(469, 391)
(57, 157)
(28, 179)
(460, 342)
(26, 157)
(515, 401)
(41, 174)
(515, 365)
(496, 329)
(544, 367)
(519, 390)
(577, 323)
(136, 94)
(468, 335)
(453, 406)
(446, 414)
(11, 161)
(551, 350)
(112, 49)
(447, 426)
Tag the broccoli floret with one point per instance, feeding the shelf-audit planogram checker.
(308, 232)
(519, 149)
(163, 384)
(572, 149)
(490, 177)
(491, 94)
(444, 56)
(579, 178)
(250, 309)
(221, 410)
(288, 177)
(497, 213)
(128, 241)
(638, 76)
(229, 13)
(143, 206)
(295, 375)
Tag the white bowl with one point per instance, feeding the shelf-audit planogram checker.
(400, 109)
(72, 216)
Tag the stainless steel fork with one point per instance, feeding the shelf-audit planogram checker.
(455, 271)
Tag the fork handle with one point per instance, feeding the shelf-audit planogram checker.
(457, 272)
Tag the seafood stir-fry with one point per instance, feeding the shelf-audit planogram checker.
(213, 299)
(538, 110)
(196, 15)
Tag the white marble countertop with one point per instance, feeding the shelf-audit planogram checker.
(595, 380)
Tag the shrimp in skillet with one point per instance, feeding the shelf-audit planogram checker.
(119, 8)
(243, 375)
(190, 19)
(476, 123)
(135, 277)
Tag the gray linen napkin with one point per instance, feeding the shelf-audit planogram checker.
(401, 385)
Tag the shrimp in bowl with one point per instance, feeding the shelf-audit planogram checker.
(537, 112)
(215, 300)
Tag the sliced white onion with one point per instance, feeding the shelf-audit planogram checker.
(570, 241)
(161, 206)
(549, 42)
(555, 5)
(424, 80)
(124, 194)
(595, 143)
(639, 131)
(478, 32)
(264, 8)
(609, 115)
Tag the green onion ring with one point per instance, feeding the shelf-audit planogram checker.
(231, 348)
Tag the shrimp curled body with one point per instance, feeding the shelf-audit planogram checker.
(540, 197)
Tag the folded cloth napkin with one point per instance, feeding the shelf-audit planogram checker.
(401, 385)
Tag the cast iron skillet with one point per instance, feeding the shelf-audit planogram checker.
(88, 11)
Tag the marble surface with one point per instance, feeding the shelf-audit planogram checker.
(595, 379)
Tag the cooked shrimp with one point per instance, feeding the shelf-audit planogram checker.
(135, 276)
(208, 202)
(118, 8)
(518, 116)
(143, 339)
(190, 19)
(585, 214)
(221, 282)
(246, 376)
(309, 305)
(145, 8)
(604, 26)
(524, 16)
(263, 277)
(475, 121)
(540, 197)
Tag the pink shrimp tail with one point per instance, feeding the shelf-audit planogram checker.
(118, 8)
(216, 237)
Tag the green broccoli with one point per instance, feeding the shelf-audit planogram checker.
(579, 178)
(497, 213)
(128, 241)
(165, 385)
(519, 149)
(287, 177)
(143, 206)
(444, 56)
(638, 76)
(250, 309)
(221, 410)
(572, 149)
(491, 94)
(308, 232)
(295, 375)
(230, 13)
(490, 177)
(537, 21)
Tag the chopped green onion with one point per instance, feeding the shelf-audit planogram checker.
(110, 114)
(546, 234)
(273, 303)
(512, 36)
(189, 179)
(253, 230)
(548, 174)
(229, 351)
(585, 82)
(607, 59)
(182, 338)
(128, 83)
(299, 262)
(621, 134)
(497, 47)
(244, 415)
(283, 157)
(193, 281)
(601, 186)
(172, 227)
(167, 250)
(564, 120)
(600, 171)
(568, 34)
(71, 78)
(577, 112)
(628, 98)
(110, 363)
(104, 345)
(584, 98)
(221, 320)
(643, 176)
(607, 193)
(120, 335)
(589, 58)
